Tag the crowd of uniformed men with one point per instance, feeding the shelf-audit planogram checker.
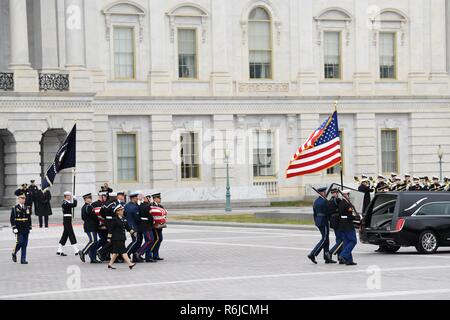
(105, 222)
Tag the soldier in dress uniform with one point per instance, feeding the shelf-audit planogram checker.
(425, 183)
(435, 185)
(346, 227)
(146, 229)
(107, 212)
(367, 190)
(90, 227)
(102, 229)
(446, 183)
(68, 204)
(131, 212)
(120, 199)
(321, 214)
(21, 225)
(159, 214)
(333, 205)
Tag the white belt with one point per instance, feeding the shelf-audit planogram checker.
(67, 215)
(144, 219)
(344, 217)
(108, 218)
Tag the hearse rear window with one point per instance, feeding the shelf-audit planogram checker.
(382, 211)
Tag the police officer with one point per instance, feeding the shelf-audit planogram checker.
(321, 214)
(131, 212)
(347, 229)
(21, 225)
(159, 214)
(68, 204)
(90, 227)
(333, 205)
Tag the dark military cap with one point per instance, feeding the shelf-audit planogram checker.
(334, 190)
(322, 189)
(156, 195)
(121, 193)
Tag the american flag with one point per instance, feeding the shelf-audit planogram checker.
(321, 151)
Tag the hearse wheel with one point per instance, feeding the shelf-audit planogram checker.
(428, 242)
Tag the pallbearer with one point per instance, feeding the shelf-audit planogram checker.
(132, 215)
(333, 205)
(346, 227)
(68, 204)
(102, 229)
(21, 226)
(90, 228)
(159, 222)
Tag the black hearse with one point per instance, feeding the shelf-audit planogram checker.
(402, 219)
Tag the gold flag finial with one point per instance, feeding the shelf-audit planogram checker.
(335, 105)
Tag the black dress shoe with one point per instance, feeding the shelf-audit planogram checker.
(14, 257)
(24, 262)
(150, 260)
(330, 261)
(131, 267)
(159, 259)
(111, 267)
(95, 261)
(77, 253)
(82, 256)
(137, 258)
(351, 263)
(62, 254)
(342, 261)
(312, 258)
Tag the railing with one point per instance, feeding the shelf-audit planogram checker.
(271, 187)
(53, 81)
(6, 81)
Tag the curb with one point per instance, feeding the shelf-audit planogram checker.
(243, 225)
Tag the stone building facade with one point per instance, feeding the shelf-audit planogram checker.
(161, 89)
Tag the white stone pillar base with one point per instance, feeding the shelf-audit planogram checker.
(221, 84)
(363, 84)
(159, 83)
(80, 80)
(25, 80)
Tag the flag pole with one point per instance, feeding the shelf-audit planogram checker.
(340, 171)
(74, 181)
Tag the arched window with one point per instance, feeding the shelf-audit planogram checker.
(260, 44)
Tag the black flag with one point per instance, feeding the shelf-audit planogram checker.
(65, 158)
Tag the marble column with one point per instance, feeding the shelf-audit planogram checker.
(363, 80)
(416, 43)
(50, 63)
(438, 47)
(79, 78)
(25, 78)
(221, 82)
(307, 78)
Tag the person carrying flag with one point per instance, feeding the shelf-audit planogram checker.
(68, 204)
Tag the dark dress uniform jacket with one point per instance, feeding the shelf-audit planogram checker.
(145, 216)
(116, 229)
(345, 216)
(366, 190)
(321, 214)
(67, 210)
(333, 205)
(21, 218)
(90, 218)
(42, 202)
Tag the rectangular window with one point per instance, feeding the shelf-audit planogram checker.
(332, 55)
(263, 153)
(123, 53)
(189, 154)
(336, 169)
(187, 53)
(260, 52)
(389, 152)
(126, 157)
(387, 56)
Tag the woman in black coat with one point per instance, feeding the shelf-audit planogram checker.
(43, 208)
(116, 235)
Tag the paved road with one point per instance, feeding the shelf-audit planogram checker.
(223, 263)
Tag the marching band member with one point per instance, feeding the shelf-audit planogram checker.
(116, 237)
(69, 203)
(381, 185)
(416, 185)
(435, 186)
(21, 225)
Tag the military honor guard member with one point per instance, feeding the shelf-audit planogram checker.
(321, 214)
(159, 214)
(117, 237)
(333, 205)
(21, 225)
(102, 229)
(347, 229)
(367, 190)
(146, 229)
(68, 204)
(90, 227)
(107, 212)
(131, 211)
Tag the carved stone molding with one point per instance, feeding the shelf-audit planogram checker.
(127, 126)
(55, 121)
(263, 87)
(291, 120)
(188, 10)
(116, 10)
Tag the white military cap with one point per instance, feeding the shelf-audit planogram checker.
(112, 194)
(134, 194)
(67, 193)
(346, 191)
(119, 206)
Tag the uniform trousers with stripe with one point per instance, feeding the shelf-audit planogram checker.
(337, 248)
(324, 243)
(68, 233)
(136, 242)
(91, 246)
(21, 244)
(349, 243)
(148, 245)
(158, 236)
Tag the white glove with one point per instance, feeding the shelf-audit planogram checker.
(15, 231)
